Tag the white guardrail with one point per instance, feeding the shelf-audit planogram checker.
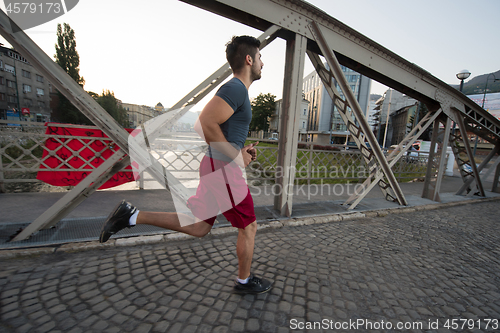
(27, 148)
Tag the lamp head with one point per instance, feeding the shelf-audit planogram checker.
(463, 74)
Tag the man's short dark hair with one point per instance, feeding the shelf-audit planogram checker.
(238, 48)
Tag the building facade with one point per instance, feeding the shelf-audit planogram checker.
(139, 114)
(390, 103)
(159, 108)
(274, 121)
(24, 93)
(324, 124)
(402, 121)
(372, 112)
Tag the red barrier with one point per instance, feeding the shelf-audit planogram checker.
(67, 153)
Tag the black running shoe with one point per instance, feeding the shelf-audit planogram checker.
(117, 220)
(254, 285)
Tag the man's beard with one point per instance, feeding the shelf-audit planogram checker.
(255, 74)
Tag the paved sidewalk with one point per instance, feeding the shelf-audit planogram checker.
(84, 223)
(424, 268)
(26, 207)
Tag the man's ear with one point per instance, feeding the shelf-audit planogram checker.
(249, 59)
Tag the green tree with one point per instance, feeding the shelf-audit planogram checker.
(263, 106)
(109, 103)
(66, 54)
(93, 94)
(67, 57)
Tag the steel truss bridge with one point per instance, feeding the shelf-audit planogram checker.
(310, 32)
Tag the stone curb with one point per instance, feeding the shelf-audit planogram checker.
(26, 252)
(175, 236)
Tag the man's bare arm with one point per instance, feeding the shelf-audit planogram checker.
(216, 112)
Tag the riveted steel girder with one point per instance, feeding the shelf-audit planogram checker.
(356, 51)
(471, 162)
(393, 157)
(76, 196)
(469, 183)
(376, 158)
(289, 127)
(437, 159)
(353, 50)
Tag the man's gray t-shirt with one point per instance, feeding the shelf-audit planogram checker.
(235, 129)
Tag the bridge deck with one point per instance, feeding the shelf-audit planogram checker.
(84, 223)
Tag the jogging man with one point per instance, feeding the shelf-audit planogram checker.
(224, 124)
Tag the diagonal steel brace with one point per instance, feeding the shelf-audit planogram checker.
(349, 120)
(468, 149)
(393, 158)
(356, 109)
(78, 97)
(76, 196)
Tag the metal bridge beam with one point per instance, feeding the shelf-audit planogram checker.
(364, 131)
(350, 121)
(100, 117)
(76, 196)
(435, 171)
(471, 181)
(353, 50)
(402, 148)
(470, 155)
(289, 127)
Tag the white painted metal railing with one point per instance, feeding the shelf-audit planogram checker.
(22, 145)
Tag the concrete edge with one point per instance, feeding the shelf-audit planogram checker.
(273, 224)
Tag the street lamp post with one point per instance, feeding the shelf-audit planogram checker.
(486, 86)
(387, 119)
(462, 75)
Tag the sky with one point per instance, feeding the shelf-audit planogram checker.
(159, 50)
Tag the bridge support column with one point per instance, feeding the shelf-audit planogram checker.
(436, 169)
(289, 126)
(495, 187)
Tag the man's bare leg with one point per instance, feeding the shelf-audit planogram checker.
(171, 221)
(247, 282)
(244, 249)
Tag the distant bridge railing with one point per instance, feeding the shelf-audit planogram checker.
(23, 151)
(328, 164)
(22, 146)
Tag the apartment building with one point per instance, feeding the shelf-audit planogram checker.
(324, 122)
(391, 102)
(24, 93)
(139, 114)
(274, 122)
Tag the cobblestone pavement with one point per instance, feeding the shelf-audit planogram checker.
(423, 268)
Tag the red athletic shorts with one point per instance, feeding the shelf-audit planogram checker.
(222, 188)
